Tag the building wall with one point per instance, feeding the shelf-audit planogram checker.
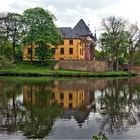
(78, 51)
(26, 55)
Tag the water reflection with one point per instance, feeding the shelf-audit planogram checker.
(33, 119)
(120, 103)
(35, 108)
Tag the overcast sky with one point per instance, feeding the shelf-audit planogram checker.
(69, 12)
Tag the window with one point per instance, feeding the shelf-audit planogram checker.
(70, 50)
(70, 96)
(61, 50)
(29, 50)
(71, 42)
(61, 96)
(53, 50)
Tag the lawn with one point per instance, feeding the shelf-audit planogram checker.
(26, 69)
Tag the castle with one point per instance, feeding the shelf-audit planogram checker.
(78, 44)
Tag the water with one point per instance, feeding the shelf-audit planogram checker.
(69, 109)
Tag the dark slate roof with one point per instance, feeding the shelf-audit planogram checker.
(68, 32)
(82, 29)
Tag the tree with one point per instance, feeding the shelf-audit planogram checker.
(133, 43)
(15, 31)
(40, 30)
(4, 33)
(10, 29)
(113, 40)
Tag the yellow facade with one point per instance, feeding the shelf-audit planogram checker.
(66, 98)
(71, 49)
(70, 99)
(77, 47)
(27, 53)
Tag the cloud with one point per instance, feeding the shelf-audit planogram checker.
(16, 5)
(92, 4)
(20, 7)
(68, 12)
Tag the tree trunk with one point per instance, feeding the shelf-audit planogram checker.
(14, 44)
(31, 53)
(111, 65)
(13, 56)
(130, 62)
(117, 65)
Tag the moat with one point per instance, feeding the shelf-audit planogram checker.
(69, 109)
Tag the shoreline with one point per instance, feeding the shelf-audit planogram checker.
(66, 73)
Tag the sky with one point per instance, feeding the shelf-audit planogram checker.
(69, 12)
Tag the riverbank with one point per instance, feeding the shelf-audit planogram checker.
(34, 70)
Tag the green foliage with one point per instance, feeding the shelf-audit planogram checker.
(40, 30)
(10, 34)
(100, 54)
(114, 40)
(43, 53)
(120, 42)
(4, 62)
(100, 136)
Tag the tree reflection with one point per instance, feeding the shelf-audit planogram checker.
(120, 106)
(8, 108)
(40, 115)
(35, 120)
(39, 108)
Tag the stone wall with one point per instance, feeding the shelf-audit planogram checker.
(94, 66)
(135, 69)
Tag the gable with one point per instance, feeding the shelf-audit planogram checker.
(81, 29)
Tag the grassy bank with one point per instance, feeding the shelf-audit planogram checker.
(26, 69)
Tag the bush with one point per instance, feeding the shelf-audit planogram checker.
(4, 62)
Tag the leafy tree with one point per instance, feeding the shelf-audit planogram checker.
(114, 39)
(133, 44)
(15, 31)
(4, 33)
(10, 26)
(40, 30)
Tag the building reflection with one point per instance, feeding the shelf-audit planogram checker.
(76, 97)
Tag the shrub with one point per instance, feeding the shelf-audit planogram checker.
(4, 62)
